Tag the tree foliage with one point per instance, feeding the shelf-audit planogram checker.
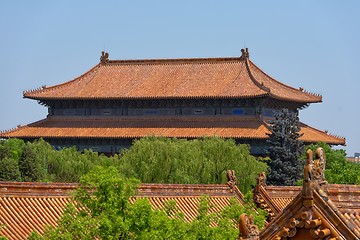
(30, 166)
(206, 160)
(102, 210)
(38, 161)
(338, 170)
(152, 160)
(10, 151)
(285, 149)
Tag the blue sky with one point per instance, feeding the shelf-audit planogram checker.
(309, 44)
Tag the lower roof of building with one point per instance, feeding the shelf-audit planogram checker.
(179, 127)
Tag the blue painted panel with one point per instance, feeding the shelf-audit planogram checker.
(238, 111)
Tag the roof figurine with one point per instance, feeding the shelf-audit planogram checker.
(245, 53)
(104, 57)
(231, 179)
(247, 228)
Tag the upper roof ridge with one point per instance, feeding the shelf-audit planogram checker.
(104, 59)
(175, 60)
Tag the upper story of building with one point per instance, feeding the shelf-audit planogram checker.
(172, 87)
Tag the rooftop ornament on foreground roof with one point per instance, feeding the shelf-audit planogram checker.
(248, 229)
(258, 199)
(314, 177)
(231, 179)
(313, 180)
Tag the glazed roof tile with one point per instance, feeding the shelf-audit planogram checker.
(28, 207)
(187, 196)
(173, 78)
(315, 210)
(180, 127)
(345, 197)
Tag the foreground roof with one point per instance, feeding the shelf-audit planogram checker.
(274, 199)
(236, 77)
(28, 206)
(180, 127)
(317, 211)
(187, 196)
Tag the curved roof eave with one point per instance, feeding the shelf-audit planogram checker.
(147, 98)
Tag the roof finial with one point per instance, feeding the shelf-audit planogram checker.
(104, 57)
(247, 227)
(245, 53)
(314, 177)
(231, 179)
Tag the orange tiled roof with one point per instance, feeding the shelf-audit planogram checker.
(187, 196)
(28, 207)
(275, 199)
(174, 78)
(343, 200)
(181, 127)
(345, 197)
(315, 210)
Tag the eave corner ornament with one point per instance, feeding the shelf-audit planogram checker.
(247, 227)
(231, 179)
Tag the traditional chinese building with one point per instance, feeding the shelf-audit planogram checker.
(118, 101)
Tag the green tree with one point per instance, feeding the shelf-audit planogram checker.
(206, 160)
(31, 169)
(285, 149)
(102, 210)
(152, 160)
(10, 151)
(1, 227)
(9, 170)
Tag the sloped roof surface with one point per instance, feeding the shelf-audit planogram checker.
(345, 197)
(187, 196)
(28, 207)
(174, 78)
(136, 127)
(317, 210)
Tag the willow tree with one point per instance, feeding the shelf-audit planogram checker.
(205, 160)
(285, 149)
(102, 210)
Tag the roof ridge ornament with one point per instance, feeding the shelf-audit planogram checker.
(314, 178)
(104, 57)
(247, 228)
(231, 179)
(245, 53)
